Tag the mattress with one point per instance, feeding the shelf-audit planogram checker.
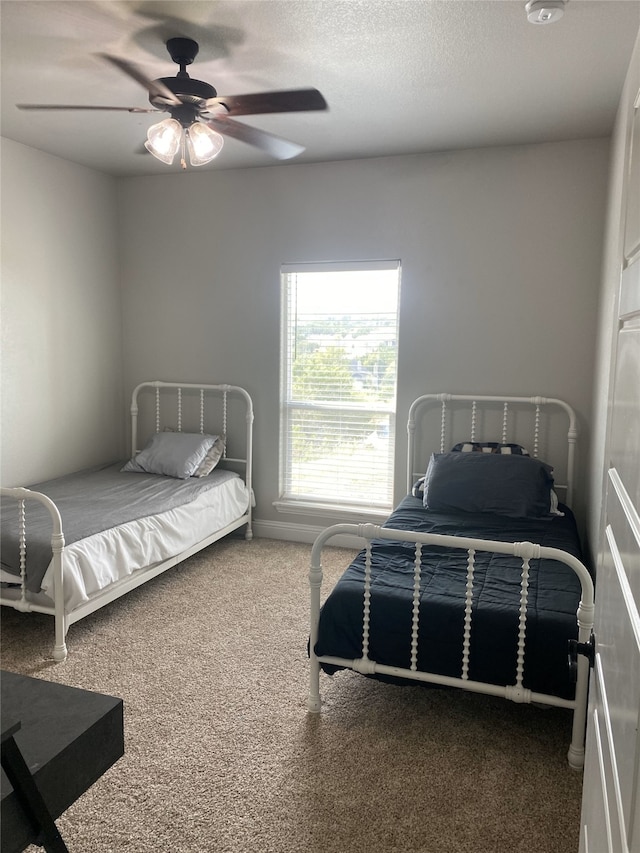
(553, 598)
(172, 515)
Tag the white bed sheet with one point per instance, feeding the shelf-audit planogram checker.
(94, 563)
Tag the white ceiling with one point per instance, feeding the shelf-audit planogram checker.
(400, 76)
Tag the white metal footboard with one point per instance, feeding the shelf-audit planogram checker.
(516, 692)
(57, 547)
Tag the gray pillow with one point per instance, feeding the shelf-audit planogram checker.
(510, 485)
(174, 454)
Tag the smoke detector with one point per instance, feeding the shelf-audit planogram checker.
(544, 11)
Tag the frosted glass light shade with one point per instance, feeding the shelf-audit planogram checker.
(203, 144)
(163, 139)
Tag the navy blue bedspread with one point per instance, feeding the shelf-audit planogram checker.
(554, 595)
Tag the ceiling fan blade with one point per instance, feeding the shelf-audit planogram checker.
(279, 148)
(287, 101)
(83, 107)
(154, 87)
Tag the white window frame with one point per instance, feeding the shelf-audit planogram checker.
(291, 503)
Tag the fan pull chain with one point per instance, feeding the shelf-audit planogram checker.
(466, 645)
(474, 412)
(416, 607)
(179, 409)
(443, 425)
(157, 408)
(183, 153)
(505, 418)
(201, 411)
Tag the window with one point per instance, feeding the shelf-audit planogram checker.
(338, 384)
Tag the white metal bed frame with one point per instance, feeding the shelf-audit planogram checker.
(63, 619)
(525, 550)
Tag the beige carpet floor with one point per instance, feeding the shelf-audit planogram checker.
(221, 754)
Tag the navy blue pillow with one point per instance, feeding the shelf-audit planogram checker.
(504, 484)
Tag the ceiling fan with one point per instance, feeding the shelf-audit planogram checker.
(199, 117)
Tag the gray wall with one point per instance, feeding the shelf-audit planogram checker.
(501, 259)
(501, 254)
(62, 396)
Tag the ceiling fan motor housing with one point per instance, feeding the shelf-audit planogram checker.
(192, 93)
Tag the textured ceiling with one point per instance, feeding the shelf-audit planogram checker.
(400, 76)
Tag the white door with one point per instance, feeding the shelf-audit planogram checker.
(611, 799)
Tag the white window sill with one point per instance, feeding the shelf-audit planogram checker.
(332, 510)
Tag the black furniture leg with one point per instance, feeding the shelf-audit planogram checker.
(27, 792)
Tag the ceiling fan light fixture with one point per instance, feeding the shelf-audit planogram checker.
(203, 144)
(163, 140)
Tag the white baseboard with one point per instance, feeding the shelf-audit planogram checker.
(300, 533)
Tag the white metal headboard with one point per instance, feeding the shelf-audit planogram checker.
(471, 425)
(199, 414)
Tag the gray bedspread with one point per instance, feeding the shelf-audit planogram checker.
(90, 502)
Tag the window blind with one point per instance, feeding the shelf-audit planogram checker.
(338, 383)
